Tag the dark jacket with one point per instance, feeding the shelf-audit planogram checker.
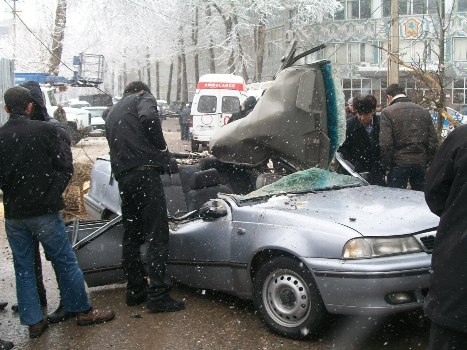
(362, 149)
(408, 136)
(446, 196)
(134, 133)
(249, 105)
(35, 168)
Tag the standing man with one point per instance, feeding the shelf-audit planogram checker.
(60, 114)
(408, 140)
(35, 168)
(361, 145)
(106, 111)
(446, 196)
(185, 121)
(139, 155)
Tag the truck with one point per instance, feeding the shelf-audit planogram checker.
(78, 120)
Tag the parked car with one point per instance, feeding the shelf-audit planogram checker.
(76, 104)
(97, 122)
(447, 126)
(300, 244)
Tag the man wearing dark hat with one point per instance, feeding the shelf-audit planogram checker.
(35, 168)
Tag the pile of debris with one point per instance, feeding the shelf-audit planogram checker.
(74, 193)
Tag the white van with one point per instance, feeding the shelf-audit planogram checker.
(217, 96)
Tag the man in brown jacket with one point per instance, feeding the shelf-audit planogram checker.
(407, 140)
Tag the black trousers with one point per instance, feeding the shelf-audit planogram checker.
(144, 214)
(445, 339)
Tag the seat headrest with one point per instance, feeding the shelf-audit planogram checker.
(173, 165)
(209, 163)
(204, 178)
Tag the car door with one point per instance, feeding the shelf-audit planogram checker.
(200, 252)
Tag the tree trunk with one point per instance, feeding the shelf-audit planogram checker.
(169, 86)
(194, 39)
(212, 62)
(179, 78)
(158, 81)
(57, 37)
(148, 69)
(442, 70)
(184, 98)
(260, 49)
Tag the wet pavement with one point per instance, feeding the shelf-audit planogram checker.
(211, 320)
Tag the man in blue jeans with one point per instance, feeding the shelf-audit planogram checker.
(35, 168)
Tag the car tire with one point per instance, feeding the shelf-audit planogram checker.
(194, 146)
(278, 286)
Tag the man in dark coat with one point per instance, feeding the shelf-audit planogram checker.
(446, 196)
(35, 168)
(407, 139)
(184, 121)
(361, 145)
(138, 156)
(246, 109)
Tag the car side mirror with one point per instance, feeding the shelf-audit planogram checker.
(212, 210)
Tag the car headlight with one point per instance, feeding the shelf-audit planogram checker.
(365, 248)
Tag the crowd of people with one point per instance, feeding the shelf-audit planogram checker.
(395, 148)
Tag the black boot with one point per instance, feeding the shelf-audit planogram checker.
(5, 345)
(134, 298)
(60, 315)
(164, 303)
(3, 305)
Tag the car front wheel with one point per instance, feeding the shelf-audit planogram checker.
(287, 298)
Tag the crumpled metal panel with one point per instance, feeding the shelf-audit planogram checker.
(289, 122)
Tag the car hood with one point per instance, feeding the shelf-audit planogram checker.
(368, 210)
(298, 120)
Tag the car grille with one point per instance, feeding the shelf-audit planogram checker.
(427, 240)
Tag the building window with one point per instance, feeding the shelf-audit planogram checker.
(417, 7)
(459, 46)
(354, 87)
(459, 91)
(461, 5)
(354, 9)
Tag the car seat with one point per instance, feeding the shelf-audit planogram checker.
(204, 185)
(174, 195)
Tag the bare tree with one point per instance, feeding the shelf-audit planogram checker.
(57, 37)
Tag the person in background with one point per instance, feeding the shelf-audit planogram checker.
(349, 109)
(106, 111)
(446, 196)
(32, 202)
(407, 140)
(361, 145)
(184, 121)
(246, 108)
(138, 156)
(60, 115)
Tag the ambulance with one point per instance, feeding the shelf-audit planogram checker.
(217, 96)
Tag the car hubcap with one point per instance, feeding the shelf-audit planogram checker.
(286, 298)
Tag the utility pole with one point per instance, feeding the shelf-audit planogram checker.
(393, 62)
(14, 29)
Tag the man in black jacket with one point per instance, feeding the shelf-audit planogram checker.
(408, 140)
(361, 145)
(138, 155)
(35, 168)
(446, 196)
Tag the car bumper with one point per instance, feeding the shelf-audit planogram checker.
(370, 286)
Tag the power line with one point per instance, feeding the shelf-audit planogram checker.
(47, 48)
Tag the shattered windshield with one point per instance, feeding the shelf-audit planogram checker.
(314, 179)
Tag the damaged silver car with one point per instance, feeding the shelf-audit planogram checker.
(300, 242)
